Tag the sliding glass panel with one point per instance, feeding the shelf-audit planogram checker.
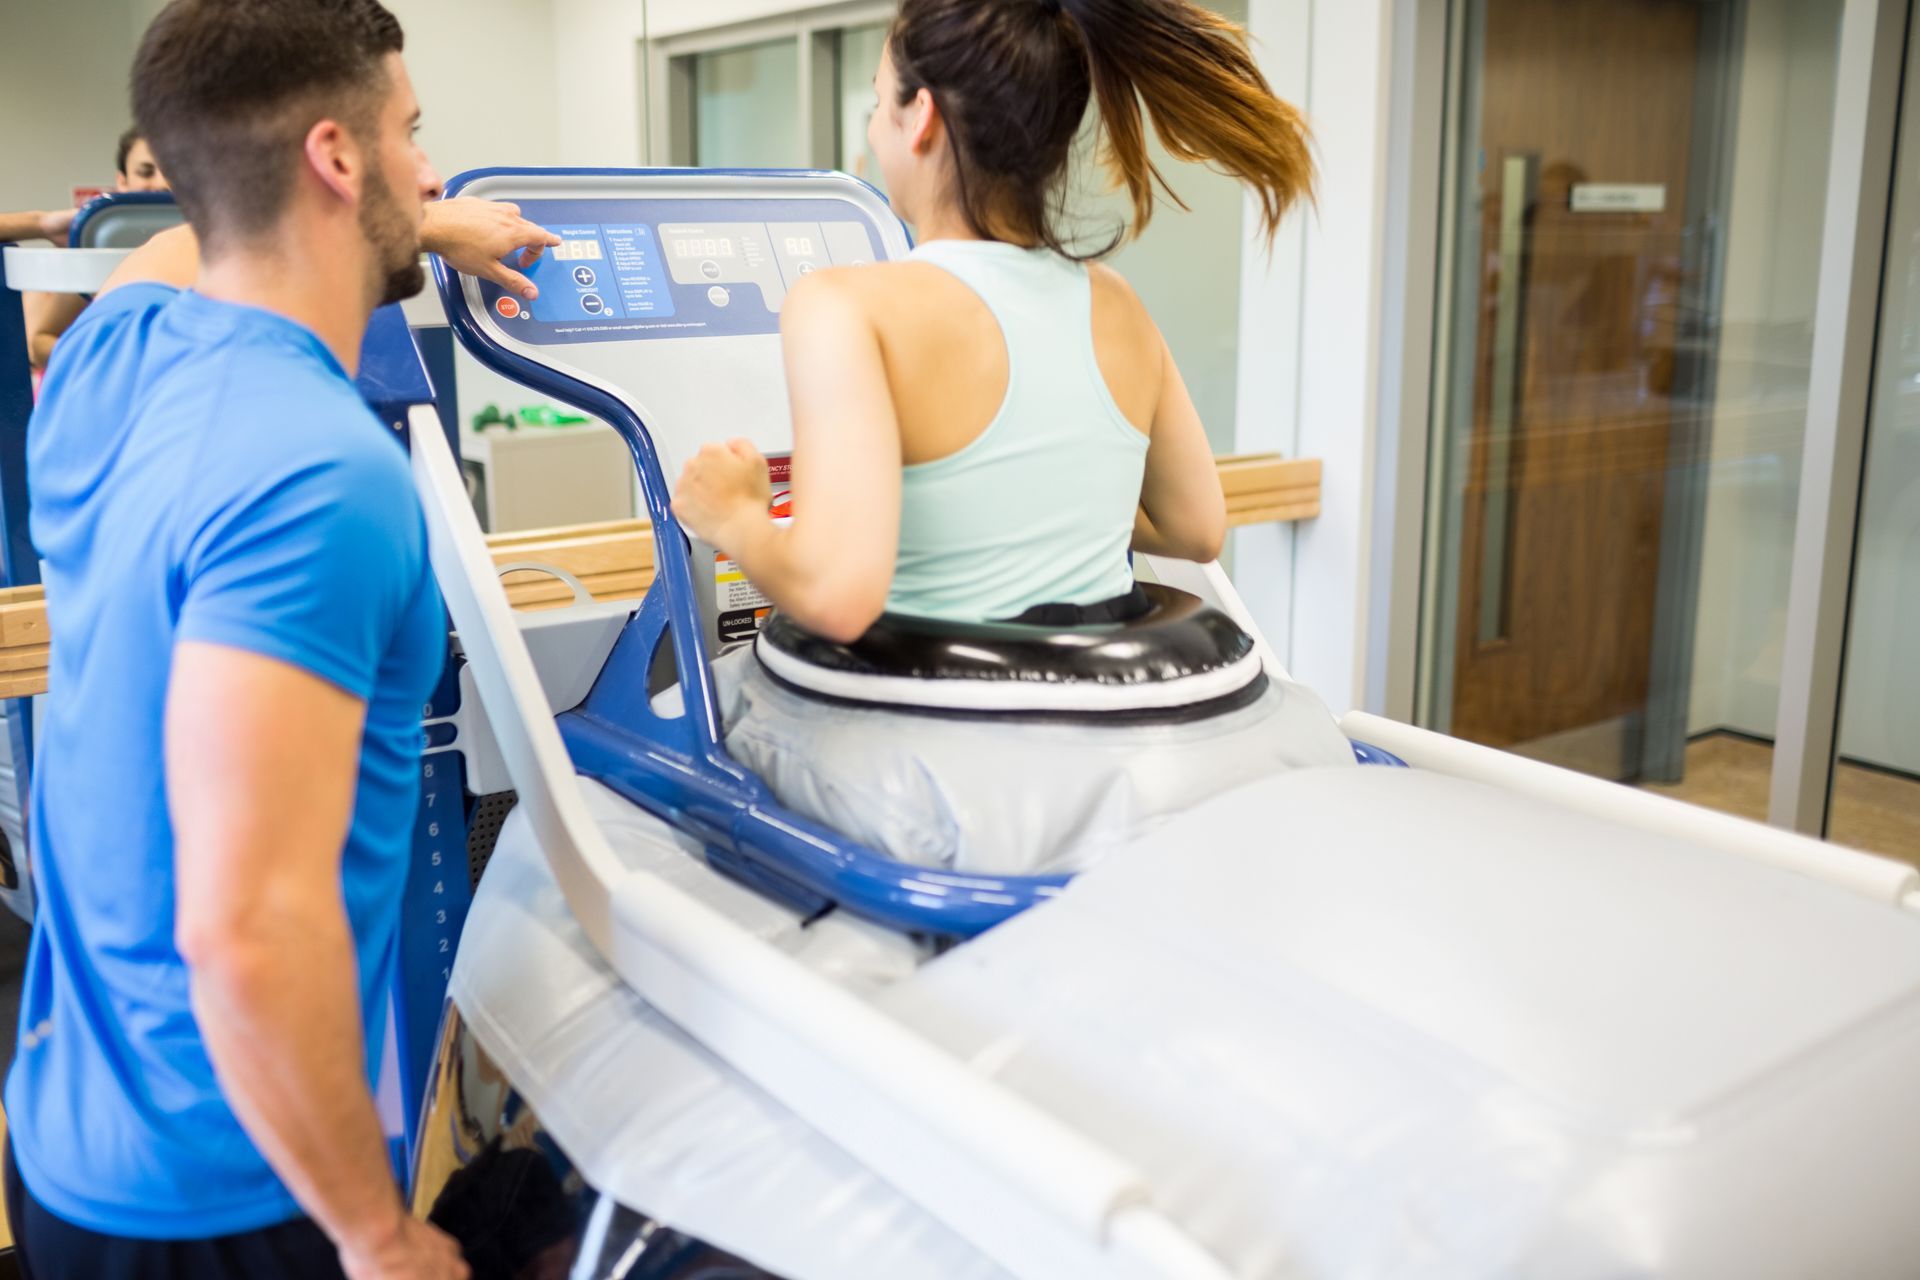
(1622, 381)
(1876, 783)
(859, 58)
(746, 107)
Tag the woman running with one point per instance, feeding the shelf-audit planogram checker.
(987, 427)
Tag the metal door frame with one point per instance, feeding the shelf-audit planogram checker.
(1873, 36)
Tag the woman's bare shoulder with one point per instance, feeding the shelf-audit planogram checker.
(1127, 344)
(878, 281)
(1115, 297)
(906, 301)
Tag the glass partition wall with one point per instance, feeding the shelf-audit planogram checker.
(1627, 359)
(1634, 246)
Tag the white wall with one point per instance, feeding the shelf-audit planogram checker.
(485, 73)
(1267, 403)
(484, 69)
(1337, 373)
(601, 96)
(1783, 125)
(601, 90)
(63, 96)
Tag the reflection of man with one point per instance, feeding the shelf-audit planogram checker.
(229, 758)
(51, 314)
(134, 168)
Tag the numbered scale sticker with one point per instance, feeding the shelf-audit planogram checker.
(741, 607)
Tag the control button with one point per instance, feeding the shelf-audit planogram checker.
(584, 277)
(507, 307)
(719, 297)
(806, 268)
(591, 304)
(711, 270)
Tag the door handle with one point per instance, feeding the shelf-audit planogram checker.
(1518, 174)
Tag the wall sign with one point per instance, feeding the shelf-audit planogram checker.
(1619, 197)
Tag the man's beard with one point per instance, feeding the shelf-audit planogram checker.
(395, 241)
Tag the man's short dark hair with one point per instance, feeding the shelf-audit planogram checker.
(225, 91)
(127, 140)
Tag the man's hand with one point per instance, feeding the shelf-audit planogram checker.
(55, 223)
(413, 1250)
(474, 235)
(721, 486)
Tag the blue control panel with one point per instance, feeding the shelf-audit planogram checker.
(636, 269)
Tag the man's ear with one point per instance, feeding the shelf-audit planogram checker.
(333, 156)
(924, 122)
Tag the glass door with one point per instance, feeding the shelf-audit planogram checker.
(1622, 369)
(744, 103)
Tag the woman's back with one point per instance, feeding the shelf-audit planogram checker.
(1025, 387)
(992, 427)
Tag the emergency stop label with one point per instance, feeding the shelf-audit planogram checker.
(741, 608)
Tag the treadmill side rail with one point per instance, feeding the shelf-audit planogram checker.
(1883, 879)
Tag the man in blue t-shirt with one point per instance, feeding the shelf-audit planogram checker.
(228, 767)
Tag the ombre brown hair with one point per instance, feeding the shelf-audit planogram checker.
(1012, 80)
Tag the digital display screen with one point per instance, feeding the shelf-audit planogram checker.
(712, 247)
(632, 269)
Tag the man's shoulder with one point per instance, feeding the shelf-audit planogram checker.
(294, 448)
(113, 327)
(286, 408)
(128, 305)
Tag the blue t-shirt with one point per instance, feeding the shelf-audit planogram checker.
(199, 471)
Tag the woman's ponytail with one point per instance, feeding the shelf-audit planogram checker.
(1206, 97)
(1012, 79)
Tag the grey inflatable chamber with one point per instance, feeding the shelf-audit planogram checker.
(1013, 798)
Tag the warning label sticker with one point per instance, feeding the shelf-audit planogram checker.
(739, 606)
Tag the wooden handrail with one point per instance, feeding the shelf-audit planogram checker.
(614, 559)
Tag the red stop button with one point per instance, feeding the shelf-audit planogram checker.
(507, 307)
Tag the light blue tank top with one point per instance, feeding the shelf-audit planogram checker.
(1039, 508)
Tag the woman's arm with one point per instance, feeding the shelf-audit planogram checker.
(171, 257)
(51, 225)
(473, 235)
(830, 569)
(1182, 511)
(48, 316)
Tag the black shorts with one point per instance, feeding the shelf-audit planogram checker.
(51, 1248)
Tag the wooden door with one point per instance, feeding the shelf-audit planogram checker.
(1587, 102)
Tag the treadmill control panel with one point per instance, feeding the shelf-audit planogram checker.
(629, 270)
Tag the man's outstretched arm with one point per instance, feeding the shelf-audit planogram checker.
(50, 224)
(474, 236)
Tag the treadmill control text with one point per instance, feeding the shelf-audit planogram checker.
(599, 272)
(618, 273)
